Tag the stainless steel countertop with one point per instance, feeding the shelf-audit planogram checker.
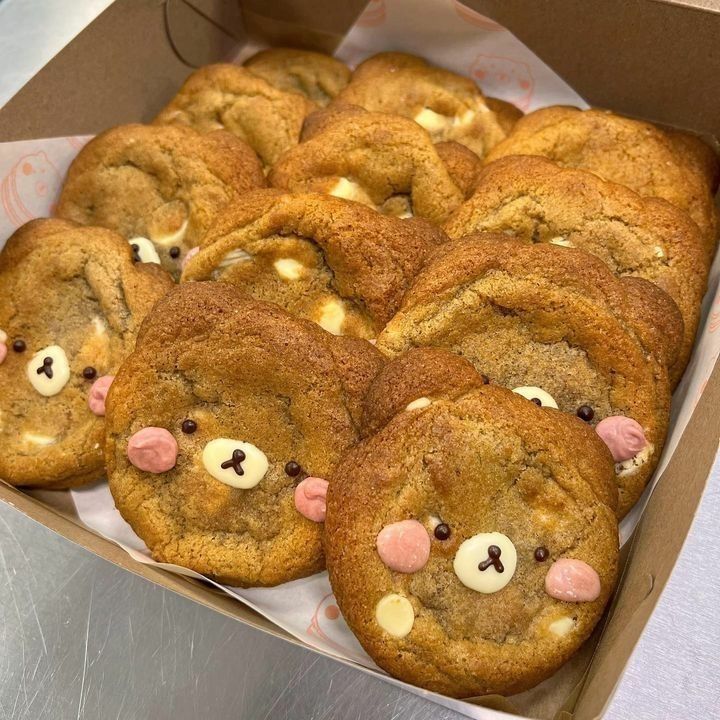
(83, 639)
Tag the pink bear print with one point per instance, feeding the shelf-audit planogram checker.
(373, 15)
(24, 191)
(323, 623)
(473, 17)
(504, 77)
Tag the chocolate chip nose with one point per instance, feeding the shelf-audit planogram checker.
(235, 462)
(46, 367)
(493, 559)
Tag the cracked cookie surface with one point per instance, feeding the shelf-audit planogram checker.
(447, 529)
(160, 186)
(534, 200)
(232, 98)
(554, 324)
(326, 259)
(673, 166)
(317, 76)
(385, 161)
(447, 105)
(223, 428)
(72, 303)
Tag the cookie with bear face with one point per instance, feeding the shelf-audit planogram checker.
(448, 106)
(326, 259)
(317, 76)
(385, 161)
(534, 200)
(223, 427)
(466, 546)
(72, 303)
(554, 325)
(233, 98)
(674, 166)
(159, 186)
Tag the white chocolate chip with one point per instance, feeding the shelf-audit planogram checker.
(220, 451)
(170, 239)
(405, 215)
(633, 464)
(562, 626)
(3, 336)
(658, 252)
(560, 240)
(419, 404)
(432, 121)
(99, 325)
(474, 551)
(38, 439)
(535, 393)
(289, 269)
(229, 259)
(332, 317)
(467, 117)
(145, 250)
(395, 615)
(350, 190)
(54, 370)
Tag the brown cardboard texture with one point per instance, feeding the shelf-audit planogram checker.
(130, 61)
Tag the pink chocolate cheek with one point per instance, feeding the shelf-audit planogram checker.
(98, 393)
(572, 581)
(3, 352)
(404, 546)
(153, 449)
(310, 498)
(623, 435)
(190, 255)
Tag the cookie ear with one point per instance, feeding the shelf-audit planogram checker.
(412, 380)
(462, 164)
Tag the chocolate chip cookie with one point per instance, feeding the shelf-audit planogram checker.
(448, 106)
(385, 161)
(71, 304)
(317, 76)
(159, 186)
(222, 429)
(232, 98)
(554, 325)
(330, 260)
(466, 545)
(534, 200)
(629, 152)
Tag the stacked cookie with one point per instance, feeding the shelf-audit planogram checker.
(415, 338)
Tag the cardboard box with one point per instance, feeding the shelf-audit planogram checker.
(130, 61)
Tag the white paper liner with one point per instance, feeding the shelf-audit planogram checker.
(457, 38)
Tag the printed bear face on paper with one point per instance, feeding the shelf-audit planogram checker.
(505, 78)
(26, 189)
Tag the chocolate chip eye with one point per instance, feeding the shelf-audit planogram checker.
(485, 379)
(135, 252)
(537, 401)
(586, 413)
(89, 372)
(292, 469)
(19, 346)
(541, 554)
(442, 531)
(174, 252)
(188, 426)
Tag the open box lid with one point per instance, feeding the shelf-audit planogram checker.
(130, 61)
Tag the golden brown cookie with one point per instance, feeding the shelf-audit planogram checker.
(448, 106)
(629, 152)
(466, 547)
(317, 76)
(462, 163)
(222, 429)
(556, 326)
(385, 161)
(228, 97)
(159, 186)
(326, 259)
(534, 200)
(72, 302)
